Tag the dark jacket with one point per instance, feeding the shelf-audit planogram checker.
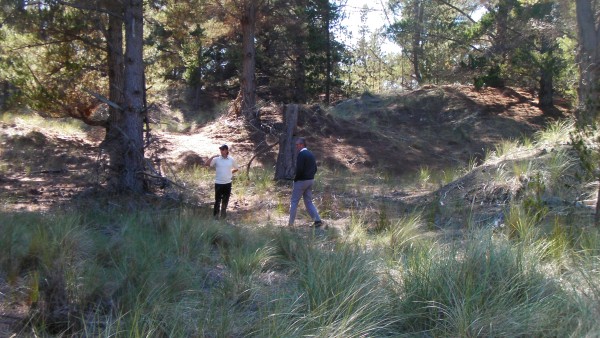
(306, 166)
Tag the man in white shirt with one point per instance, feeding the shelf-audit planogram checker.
(225, 167)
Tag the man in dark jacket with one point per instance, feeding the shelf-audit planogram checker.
(306, 168)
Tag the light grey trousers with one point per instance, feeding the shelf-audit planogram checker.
(303, 189)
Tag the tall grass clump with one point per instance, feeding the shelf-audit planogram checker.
(506, 147)
(194, 177)
(556, 133)
(149, 264)
(450, 175)
(203, 269)
(402, 236)
(338, 295)
(522, 221)
(487, 286)
(47, 254)
(357, 228)
(424, 176)
(523, 168)
(16, 230)
(586, 280)
(260, 179)
(588, 243)
(130, 274)
(244, 263)
(558, 164)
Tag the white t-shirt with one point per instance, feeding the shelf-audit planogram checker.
(224, 169)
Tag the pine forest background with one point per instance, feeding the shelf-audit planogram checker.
(458, 174)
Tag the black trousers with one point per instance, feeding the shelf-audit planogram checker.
(222, 193)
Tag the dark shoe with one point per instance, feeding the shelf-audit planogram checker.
(317, 224)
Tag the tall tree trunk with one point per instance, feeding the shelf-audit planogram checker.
(299, 32)
(546, 89)
(588, 59)
(502, 35)
(116, 66)
(248, 23)
(197, 82)
(328, 54)
(129, 152)
(5, 95)
(286, 159)
(300, 73)
(114, 42)
(418, 11)
(589, 69)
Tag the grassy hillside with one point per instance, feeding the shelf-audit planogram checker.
(425, 237)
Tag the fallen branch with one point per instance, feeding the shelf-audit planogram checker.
(103, 99)
(255, 155)
(51, 171)
(164, 178)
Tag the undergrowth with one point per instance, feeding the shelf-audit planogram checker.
(382, 269)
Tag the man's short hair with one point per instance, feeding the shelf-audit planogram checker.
(301, 140)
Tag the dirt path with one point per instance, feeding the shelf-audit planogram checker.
(434, 127)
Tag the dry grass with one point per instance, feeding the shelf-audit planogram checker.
(482, 249)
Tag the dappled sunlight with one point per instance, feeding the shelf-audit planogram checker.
(405, 214)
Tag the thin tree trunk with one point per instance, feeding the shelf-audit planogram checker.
(300, 77)
(546, 89)
(299, 69)
(502, 36)
(589, 70)
(588, 60)
(286, 159)
(114, 50)
(328, 56)
(197, 81)
(248, 23)
(417, 35)
(130, 174)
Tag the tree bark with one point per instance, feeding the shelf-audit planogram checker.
(299, 69)
(285, 168)
(129, 150)
(589, 70)
(328, 55)
(588, 60)
(502, 32)
(248, 24)
(546, 84)
(546, 89)
(418, 11)
(115, 57)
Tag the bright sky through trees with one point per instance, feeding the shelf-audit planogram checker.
(376, 18)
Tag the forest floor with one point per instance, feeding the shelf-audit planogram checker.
(397, 136)
(433, 127)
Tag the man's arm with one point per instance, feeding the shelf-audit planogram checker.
(299, 166)
(209, 161)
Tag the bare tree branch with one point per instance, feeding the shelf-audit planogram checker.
(103, 99)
